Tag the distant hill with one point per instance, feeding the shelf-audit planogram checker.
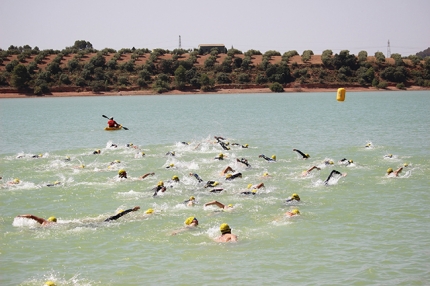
(82, 68)
(425, 53)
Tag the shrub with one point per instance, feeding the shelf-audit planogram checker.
(20, 76)
(276, 87)
(223, 78)
(401, 86)
(243, 78)
(306, 56)
(382, 85)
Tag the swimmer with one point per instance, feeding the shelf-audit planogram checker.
(308, 171)
(114, 162)
(170, 153)
(113, 145)
(190, 202)
(15, 181)
(175, 179)
(294, 212)
(219, 157)
(197, 177)
(230, 177)
(368, 145)
(56, 183)
(244, 161)
(171, 165)
(334, 172)
(42, 221)
(37, 156)
(237, 144)
(395, 173)
(218, 138)
(226, 235)
(185, 143)
(146, 175)
(160, 187)
(272, 159)
(211, 184)
(149, 211)
(258, 186)
(224, 145)
(96, 152)
(388, 156)
(121, 213)
(305, 156)
(294, 197)
(190, 223)
(345, 161)
(67, 159)
(216, 190)
(266, 175)
(328, 162)
(253, 192)
(220, 205)
(122, 174)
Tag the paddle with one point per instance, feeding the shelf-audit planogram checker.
(125, 128)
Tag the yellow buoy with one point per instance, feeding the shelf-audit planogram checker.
(341, 94)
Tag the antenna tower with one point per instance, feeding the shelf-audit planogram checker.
(180, 41)
(388, 50)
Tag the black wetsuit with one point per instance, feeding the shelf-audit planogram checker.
(223, 145)
(157, 189)
(117, 216)
(266, 158)
(248, 193)
(331, 175)
(216, 190)
(234, 176)
(243, 161)
(210, 184)
(301, 153)
(197, 177)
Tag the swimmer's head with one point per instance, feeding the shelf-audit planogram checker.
(221, 155)
(117, 161)
(228, 176)
(160, 183)
(350, 161)
(16, 181)
(224, 228)
(295, 197)
(265, 174)
(149, 211)
(230, 205)
(254, 191)
(121, 172)
(175, 178)
(215, 184)
(192, 198)
(49, 283)
(190, 220)
(111, 118)
(143, 153)
(295, 212)
(307, 155)
(68, 158)
(274, 157)
(171, 165)
(82, 166)
(389, 170)
(246, 145)
(249, 186)
(52, 219)
(331, 162)
(405, 164)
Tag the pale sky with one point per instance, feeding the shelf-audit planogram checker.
(280, 25)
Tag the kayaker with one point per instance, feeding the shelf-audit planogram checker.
(112, 123)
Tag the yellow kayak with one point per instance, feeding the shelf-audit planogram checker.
(113, 128)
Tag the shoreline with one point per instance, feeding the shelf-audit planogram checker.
(216, 91)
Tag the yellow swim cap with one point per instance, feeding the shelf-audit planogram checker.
(249, 186)
(82, 166)
(224, 228)
(254, 191)
(160, 183)
(266, 174)
(143, 153)
(274, 157)
(117, 161)
(192, 198)
(295, 211)
(221, 155)
(175, 178)
(189, 220)
(230, 205)
(67, 157)
(307, 155)
(350, 161)
(331, 162)
(389, 170)
(295, 196)
(246, 145)
(122, 171)
(405, 164)
(149, 211)
(52, 218)
(16, 181)
(215, 184)
(228, 175)
(49, 283)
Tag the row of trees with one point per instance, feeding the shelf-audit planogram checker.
(107, 70)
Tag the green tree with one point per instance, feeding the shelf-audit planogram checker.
(180, 78)
(82, 45)
(276, 87)
(20, 77)
(223, 78)
(206, 82)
